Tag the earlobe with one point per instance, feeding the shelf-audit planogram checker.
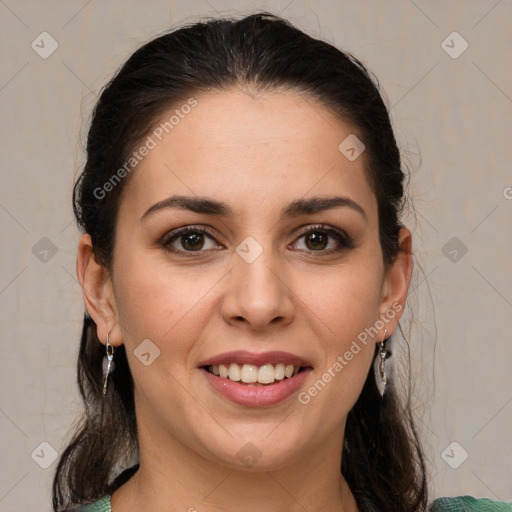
(97, 291)
(396, 282)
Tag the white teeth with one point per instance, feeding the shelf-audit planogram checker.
(279, 375)
(288, 370)
(234, 372)
(266, 374)
(250, 373)
(223, 371)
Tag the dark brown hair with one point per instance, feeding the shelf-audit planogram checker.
(382, 458)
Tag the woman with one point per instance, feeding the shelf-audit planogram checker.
(243, 266)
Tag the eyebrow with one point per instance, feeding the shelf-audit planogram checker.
(296, 208)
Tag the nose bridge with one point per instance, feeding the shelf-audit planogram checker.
(257, 292)
(254, 270)
(256, 267)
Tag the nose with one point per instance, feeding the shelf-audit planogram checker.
(257, 296)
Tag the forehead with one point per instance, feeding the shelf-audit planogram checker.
(264, 150)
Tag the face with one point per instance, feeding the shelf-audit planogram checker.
(246, 243)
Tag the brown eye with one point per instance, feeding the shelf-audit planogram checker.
(192, 241)
(189, 240)
(323, 240)
(316, 240)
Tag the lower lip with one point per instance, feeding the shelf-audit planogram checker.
(256, 396)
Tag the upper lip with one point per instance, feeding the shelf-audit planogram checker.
(257, 359)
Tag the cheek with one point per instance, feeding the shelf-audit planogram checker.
(160, 302)
(347, 306)
(349, 300)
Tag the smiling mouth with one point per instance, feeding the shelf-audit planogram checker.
(253, 375)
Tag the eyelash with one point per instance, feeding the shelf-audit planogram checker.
(340, 236)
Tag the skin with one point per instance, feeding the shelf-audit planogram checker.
(257, 153)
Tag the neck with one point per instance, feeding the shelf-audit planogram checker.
(178, 478)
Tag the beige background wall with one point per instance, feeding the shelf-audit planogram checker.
(453, 120)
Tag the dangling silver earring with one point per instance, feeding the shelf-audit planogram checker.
(108, 363)
(380, 365)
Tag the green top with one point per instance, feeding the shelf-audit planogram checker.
(458, 504)
(469, 504)
(102, 505)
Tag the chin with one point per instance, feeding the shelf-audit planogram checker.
(257, 453)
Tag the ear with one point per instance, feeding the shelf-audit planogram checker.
(97, 292)
(396, 283)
